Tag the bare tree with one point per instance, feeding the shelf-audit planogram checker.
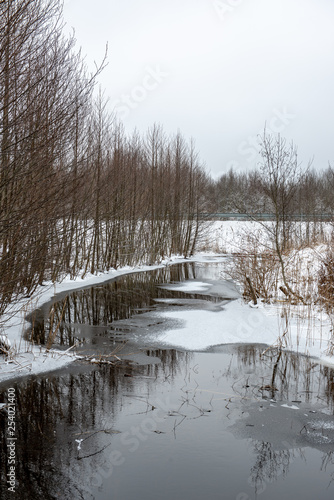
(280, 175)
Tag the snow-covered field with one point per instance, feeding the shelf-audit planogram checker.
(231, 236)
(305, 329)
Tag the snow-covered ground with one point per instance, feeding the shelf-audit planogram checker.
(231, 236)
(304, 329)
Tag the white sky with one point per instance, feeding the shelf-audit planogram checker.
(217, 70)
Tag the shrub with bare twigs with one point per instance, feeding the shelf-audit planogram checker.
(326, 281)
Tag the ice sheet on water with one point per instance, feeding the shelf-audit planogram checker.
(213, 287)
(233, 322)
(322, 424)
(188, 286)
(291, 407)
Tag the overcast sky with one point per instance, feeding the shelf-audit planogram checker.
(217, 70)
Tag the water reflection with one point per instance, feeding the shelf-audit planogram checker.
(101, 432)
(52, 412)
(270, 465)
(277, 438)
(284, 375)
(94, 315)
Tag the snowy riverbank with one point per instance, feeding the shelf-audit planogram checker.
(24, 358)
(300, 328)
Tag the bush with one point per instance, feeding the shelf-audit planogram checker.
(326, 281)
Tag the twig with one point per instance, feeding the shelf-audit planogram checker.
(93, 454)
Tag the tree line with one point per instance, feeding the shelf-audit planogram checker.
(77, 194)
(245, 192)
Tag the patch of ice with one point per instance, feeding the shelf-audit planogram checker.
(234, 323)
(292, 407)
(321, 424)
(188, 286)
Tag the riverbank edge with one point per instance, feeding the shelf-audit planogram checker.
(26, 359)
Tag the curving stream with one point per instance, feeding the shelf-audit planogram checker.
(226, 422)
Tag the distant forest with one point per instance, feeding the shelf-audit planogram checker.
(244, 192)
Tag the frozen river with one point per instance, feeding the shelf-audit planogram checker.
(189, 414)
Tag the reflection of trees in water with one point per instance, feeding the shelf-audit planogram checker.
(328, 461)
(172, 362)
(270, 464)
(102, 305)
(52, 412)
(285, 375)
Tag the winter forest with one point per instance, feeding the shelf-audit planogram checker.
(78, 194)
